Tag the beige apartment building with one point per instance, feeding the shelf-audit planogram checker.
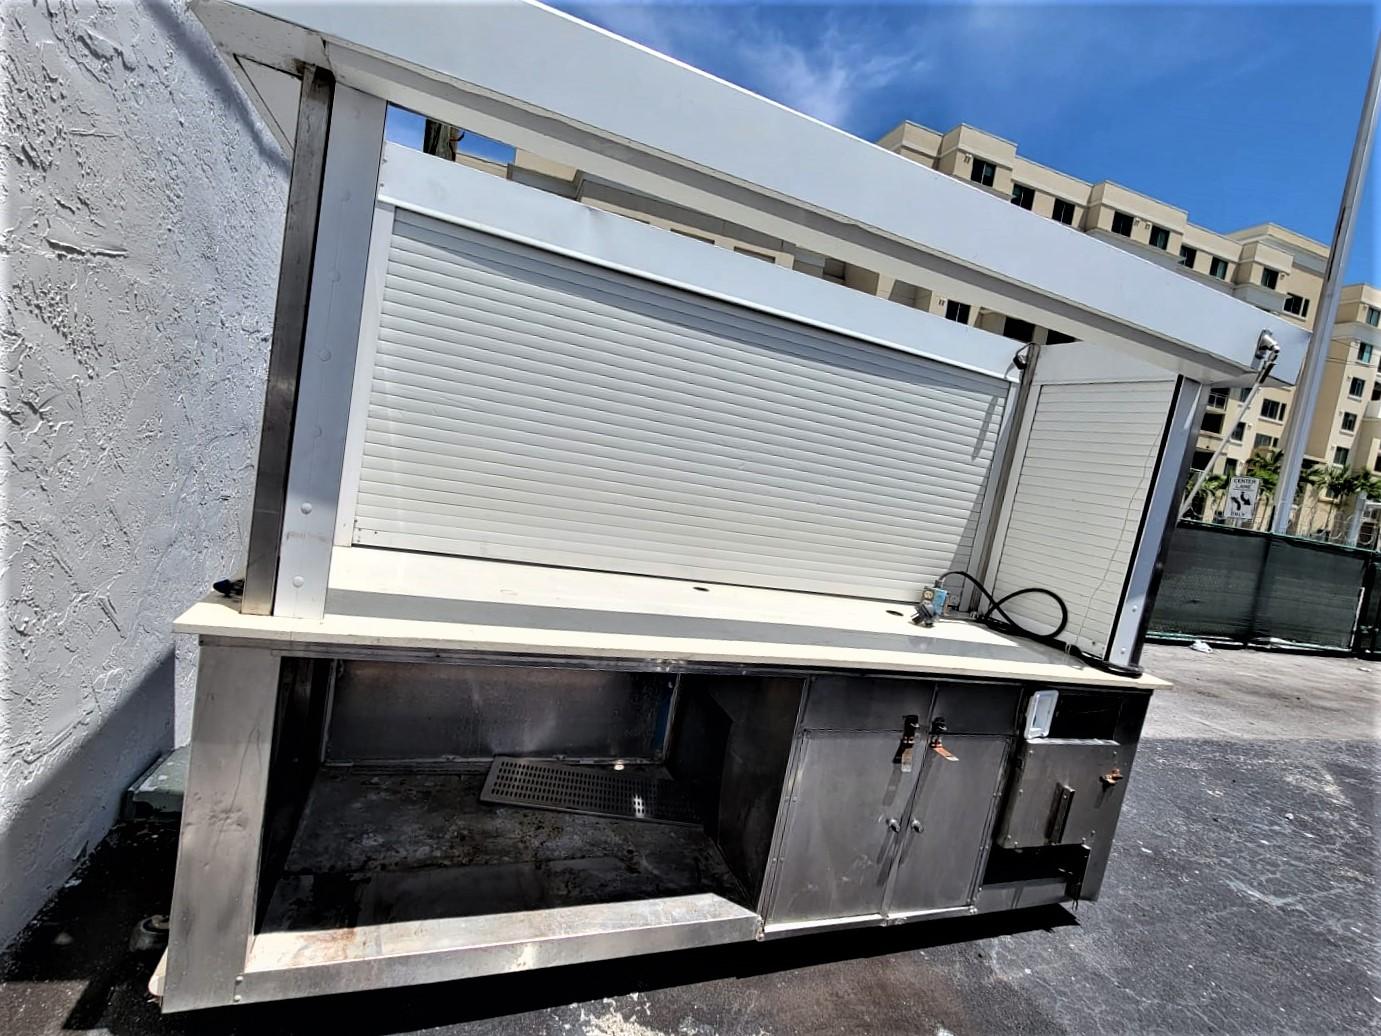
(1269, 266)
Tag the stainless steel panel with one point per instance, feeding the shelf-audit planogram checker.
(977, 708)
(847, 806)
(1065, 792)
(533, 407)
(285, 351)
(732, 738)
(1013, 895)
(399, 712)
(213, 909)
(866, 702)
(946, 836)
(291, 964)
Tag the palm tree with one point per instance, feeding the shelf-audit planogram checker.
(1334, 484)
(1264, 466)
(1209, 493)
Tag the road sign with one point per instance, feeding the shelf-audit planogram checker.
(1242, 494)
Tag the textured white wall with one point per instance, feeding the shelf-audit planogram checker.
(142, 208)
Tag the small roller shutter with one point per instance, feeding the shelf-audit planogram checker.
(1079, 496)
(531, 407)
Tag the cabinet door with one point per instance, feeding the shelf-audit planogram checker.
(843, 826)
(946, 837)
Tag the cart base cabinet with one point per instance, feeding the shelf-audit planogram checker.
(336, 834)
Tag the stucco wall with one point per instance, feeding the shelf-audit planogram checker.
(142, 210)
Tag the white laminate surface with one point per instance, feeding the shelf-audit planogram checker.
(395, 599)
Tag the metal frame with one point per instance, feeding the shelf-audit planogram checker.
(1157, 522)
(211, 922)
(1000, 474)
(285, 352)
(455, 64)
(328, 356)
(1161, 548)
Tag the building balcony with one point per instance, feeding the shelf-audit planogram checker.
(1260, 297)
(1358, 331)
(1159, 256)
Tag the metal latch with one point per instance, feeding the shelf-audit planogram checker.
(906, 749)
(936, 745)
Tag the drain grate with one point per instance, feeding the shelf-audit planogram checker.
(539, 784)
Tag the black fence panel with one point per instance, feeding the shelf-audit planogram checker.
(1368, 642)
(1249, 587)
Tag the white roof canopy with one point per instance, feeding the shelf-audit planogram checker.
(538, 79)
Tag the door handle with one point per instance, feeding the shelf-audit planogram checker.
(893, 824)
(916, 826)
(906, 749)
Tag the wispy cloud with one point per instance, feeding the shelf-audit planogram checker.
(823, 61)
(830, 75)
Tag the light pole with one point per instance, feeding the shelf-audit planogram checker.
(1311, 371)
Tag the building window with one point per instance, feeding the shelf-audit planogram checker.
(1218, 399)
(1272, 410)
(1188, 256)
(1201, 459)
(1122, 224)
(1023, 196)
(1357, 386)
(1057, 338)
(1230, 466)
(1160, 238)
(1212, 424)
(959, 312)
(1349, 422)
(1269, 278)
(1063, 212)
(982, 172)
(1265, 442)
(1218, 268)
(1297, 304)
(1238, 431)
(1376, 464)
(1374, 316)
(1375, 391)
(1340, 455)
(1021, 330)
(1364, 352)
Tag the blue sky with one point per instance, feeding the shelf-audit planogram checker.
(1239, 113)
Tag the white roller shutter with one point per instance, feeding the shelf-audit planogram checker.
(1079, 493)
(536, 408)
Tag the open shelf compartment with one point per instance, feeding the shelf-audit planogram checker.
(382, 862)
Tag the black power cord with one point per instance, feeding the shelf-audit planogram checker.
(1004, 623)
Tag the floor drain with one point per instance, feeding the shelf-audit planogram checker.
(539, 784)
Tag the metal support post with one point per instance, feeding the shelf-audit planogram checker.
(1311, 374)
(289, 329)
